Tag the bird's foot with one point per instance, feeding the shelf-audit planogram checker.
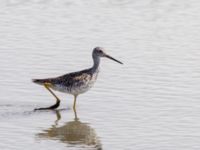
(56, 105)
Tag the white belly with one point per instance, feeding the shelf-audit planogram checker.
(81, 89)
(76, 89)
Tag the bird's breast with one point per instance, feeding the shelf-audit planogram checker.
(82, 87)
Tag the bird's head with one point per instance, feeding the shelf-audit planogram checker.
(100, 52)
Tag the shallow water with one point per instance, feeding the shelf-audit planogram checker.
(151, 102)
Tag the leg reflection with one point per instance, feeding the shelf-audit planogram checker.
(58, 116)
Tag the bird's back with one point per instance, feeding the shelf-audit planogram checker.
(74, 83)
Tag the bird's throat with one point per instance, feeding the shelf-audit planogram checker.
(96, 64)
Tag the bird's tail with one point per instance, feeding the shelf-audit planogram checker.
(40, 81)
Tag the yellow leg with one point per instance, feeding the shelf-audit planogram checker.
(75, 115)
(74, 106)
(47, 86)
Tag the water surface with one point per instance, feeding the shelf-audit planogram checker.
(151, 102)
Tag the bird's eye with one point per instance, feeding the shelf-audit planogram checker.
(100, 51)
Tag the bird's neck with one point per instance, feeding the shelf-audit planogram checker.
(96, 60)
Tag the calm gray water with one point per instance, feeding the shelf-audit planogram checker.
(152, 102)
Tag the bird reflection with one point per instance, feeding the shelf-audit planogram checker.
(74, 133)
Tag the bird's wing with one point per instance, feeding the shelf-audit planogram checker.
(75, 77)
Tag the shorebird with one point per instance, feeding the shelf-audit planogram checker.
(74, 83)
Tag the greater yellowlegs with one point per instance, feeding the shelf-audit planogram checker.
(75, 83)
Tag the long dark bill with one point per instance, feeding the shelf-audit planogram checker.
(113, 59)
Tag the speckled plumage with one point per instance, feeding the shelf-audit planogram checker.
(73, 83)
